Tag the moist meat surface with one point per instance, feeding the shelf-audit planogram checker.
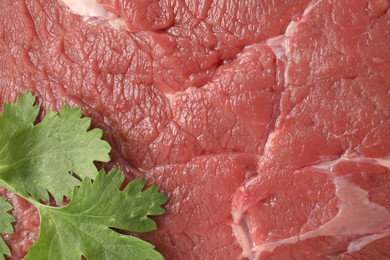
(266, 122)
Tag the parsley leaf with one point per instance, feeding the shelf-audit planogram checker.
(16, 116)
(37, 159)
(83, 227)
(5, 225)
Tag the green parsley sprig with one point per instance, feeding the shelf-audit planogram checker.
(37, 160)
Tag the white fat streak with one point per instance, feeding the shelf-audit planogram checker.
(86, 8)
(384, 162)
(172, 96)
(311, 6)
(359, 243)
(278, 46)
(95, 13)
(241, 229)
(117, 23)
(290, 29)
(271, 141)
(328, 165)
(293, 24)
(357, 216)
(244, 239)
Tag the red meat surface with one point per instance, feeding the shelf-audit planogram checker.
(267, 122)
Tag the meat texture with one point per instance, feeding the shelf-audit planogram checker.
(267, 122)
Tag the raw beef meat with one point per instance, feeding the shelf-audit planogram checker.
(267, 122)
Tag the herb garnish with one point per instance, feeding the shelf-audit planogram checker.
(37, 160)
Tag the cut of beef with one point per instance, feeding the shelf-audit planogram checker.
(266, 122)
